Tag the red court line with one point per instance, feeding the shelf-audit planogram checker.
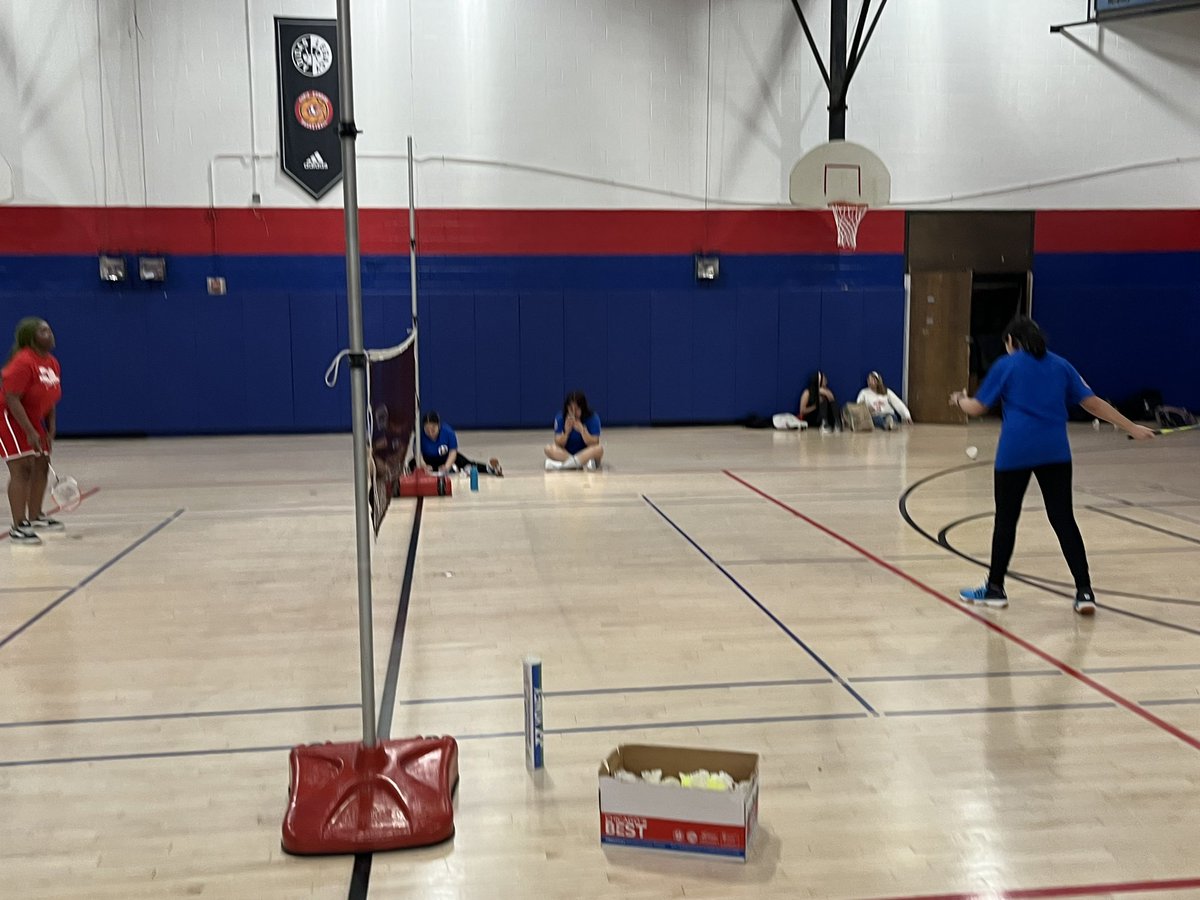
(987, 623)
(1077, 890)
(54, 509)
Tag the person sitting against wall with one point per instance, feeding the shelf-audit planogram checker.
(887, 410)
(439, 450)
(576, 436)
(818, 406)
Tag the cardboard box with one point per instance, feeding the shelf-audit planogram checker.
(670, 817)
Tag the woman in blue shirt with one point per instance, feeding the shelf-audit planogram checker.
(576, 436)
(440, 453)
(1036, 388)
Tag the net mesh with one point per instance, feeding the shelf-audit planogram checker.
(392, 402)
(847, 216)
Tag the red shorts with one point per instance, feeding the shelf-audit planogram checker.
(14, 443)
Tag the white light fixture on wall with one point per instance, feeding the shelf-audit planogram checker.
(112, 268)
(152, 268)
(708, 268)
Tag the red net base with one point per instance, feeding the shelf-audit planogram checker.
(847, 216)
(349, 798)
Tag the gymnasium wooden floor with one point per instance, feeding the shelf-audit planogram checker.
(723, 588)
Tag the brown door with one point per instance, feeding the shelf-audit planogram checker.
(938, 349)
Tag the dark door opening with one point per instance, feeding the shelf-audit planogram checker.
(995, 299)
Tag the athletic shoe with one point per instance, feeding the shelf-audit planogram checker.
(553, 465)
(494, 468)
(825, 429)
(889, 424)
(984, 596)
(592, 465)
(1085, 603)
(571, 463)
(45, 523)
(24, 536)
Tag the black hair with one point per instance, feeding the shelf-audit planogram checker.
(579, 398)
(814, 385)
(430, 418)
(1025, 334)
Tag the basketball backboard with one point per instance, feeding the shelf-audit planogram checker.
(840, 172)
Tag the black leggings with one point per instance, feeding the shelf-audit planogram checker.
(1055, 483)
(826, 413)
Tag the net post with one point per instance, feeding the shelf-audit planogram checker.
(358, 375)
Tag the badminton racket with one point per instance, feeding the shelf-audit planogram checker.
(65, 491)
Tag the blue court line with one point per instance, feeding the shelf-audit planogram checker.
(957, 676)
(96, 574)
(974, 711)
(206, 714)
(774, 618)
(600, 729)
(1182, 701)
(587, 692)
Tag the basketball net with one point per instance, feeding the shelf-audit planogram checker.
(847, 216)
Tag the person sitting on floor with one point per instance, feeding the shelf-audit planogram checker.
(887, 410)
(439, 450)
(576, 436)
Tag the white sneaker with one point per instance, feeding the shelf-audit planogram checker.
(825, 429)
(592, 466)
(571, 463)
(553, 465)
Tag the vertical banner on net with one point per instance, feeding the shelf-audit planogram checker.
(309, 146)
(392, 399)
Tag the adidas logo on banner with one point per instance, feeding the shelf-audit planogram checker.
(316, 161)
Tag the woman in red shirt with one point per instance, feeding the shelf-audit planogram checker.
(32, 387)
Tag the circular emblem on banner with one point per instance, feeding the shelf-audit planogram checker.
(314, 110)
(311, 55)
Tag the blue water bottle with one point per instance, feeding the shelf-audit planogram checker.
(474, 478)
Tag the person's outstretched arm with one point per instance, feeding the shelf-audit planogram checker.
(898, 406)
(1102, 409)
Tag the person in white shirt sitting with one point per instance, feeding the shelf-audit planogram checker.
(887, 410)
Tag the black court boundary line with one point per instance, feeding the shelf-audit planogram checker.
(943, 540)
(1146, 525)
(62, 598)
(1042, 584)
(1066, 668)
(360, 874)
(774, 618)
(620, 727)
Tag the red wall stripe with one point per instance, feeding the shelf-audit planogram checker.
(28, 231)
(1116, 231)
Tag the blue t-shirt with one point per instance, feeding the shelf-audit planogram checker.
(434, 451)
(575, 441)
(1036, 394)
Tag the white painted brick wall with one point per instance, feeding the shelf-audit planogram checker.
(957, 96)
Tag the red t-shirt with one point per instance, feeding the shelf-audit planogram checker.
(37, 380)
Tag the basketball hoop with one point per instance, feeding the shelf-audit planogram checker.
(847, 216)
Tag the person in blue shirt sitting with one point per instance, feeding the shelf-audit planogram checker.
(439, 449)
(1035, 387)
(576, 436)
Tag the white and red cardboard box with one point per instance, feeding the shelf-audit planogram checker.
(670, 817)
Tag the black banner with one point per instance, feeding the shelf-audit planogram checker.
(310, 151)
